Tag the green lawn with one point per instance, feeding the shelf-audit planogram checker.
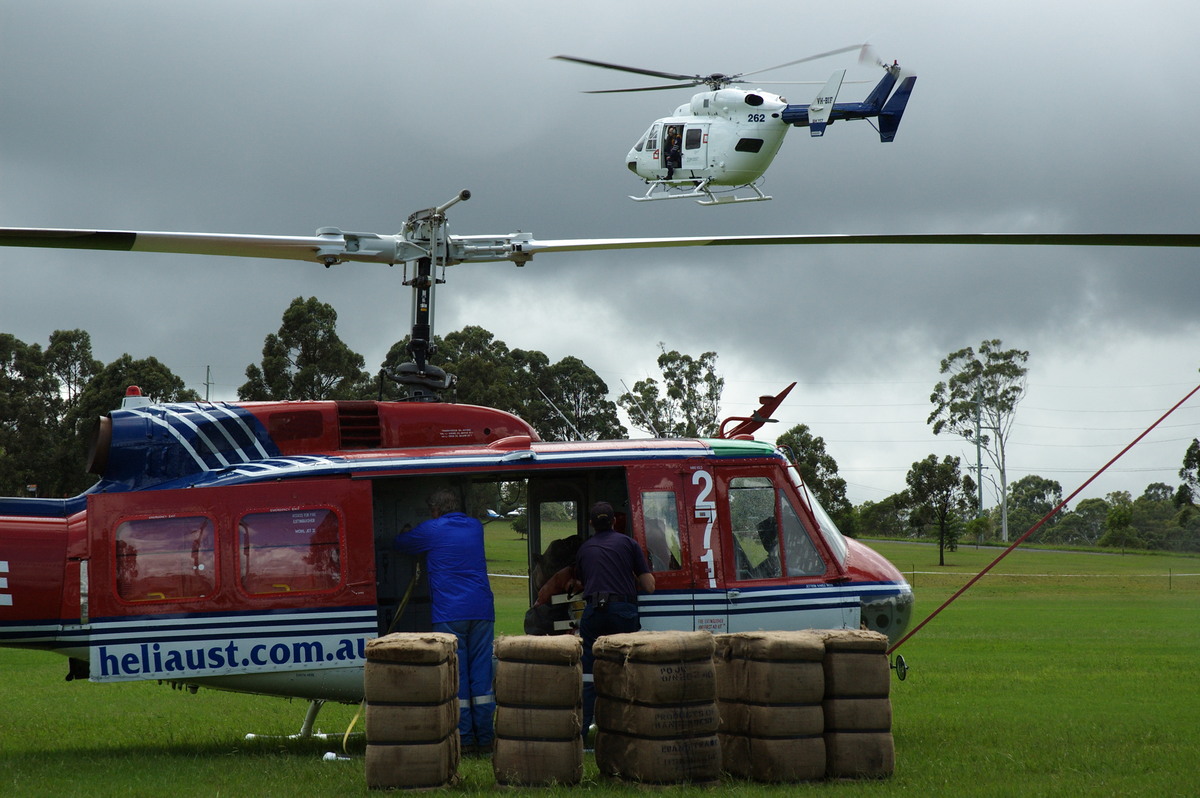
(1062, 674)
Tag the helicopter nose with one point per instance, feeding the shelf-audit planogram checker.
(888, 615)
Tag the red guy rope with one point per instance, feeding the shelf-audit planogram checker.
(1038, 525)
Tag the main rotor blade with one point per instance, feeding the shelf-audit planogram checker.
(984, 239)
(368, 247)
(337, 246)
(662, 87)
(635, 70)
(838, 51)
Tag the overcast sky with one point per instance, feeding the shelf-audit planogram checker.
(280, 117)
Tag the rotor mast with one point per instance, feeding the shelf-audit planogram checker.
(425, 229)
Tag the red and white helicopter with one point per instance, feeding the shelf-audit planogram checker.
(247, 546)
(726, 138)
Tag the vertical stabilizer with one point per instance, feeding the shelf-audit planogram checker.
(874, 102)
(889, 117)
(822, 106)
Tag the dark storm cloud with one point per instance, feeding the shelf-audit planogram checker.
(281, 117)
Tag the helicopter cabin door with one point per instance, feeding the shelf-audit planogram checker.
(695, 146)
(661, 503)
(778, 574)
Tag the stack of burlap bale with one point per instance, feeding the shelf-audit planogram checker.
(411, 687)
(858, 709)
(656, 711)
(770, 687)
(539, 695)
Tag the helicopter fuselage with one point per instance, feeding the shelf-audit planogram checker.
(729, 137)
(249, 547)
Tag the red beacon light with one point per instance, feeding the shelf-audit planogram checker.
(133, 398)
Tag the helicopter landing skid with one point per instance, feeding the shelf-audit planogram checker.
(306, 729)
(698, 190)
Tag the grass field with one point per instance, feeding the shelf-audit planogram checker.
(1060, 674)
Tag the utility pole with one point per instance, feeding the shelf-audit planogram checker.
(978, 450)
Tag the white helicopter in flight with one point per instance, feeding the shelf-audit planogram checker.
(727, 137)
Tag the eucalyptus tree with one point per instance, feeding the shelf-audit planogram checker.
(307, 359)
(978, 400)
(688, 404)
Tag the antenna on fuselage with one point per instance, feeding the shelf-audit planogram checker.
(562, 415)
(645, 415)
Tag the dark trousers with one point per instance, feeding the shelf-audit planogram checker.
(617, 618)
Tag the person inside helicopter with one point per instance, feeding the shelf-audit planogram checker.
(674, 153)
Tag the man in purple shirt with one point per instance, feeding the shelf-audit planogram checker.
(463, 605)
(613, 570)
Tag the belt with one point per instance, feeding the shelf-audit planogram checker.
(609, 597)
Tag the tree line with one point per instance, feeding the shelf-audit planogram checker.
(51, 397)
(978, 402)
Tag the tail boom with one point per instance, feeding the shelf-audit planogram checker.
(882, 102)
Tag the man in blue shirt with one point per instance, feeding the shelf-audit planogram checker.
(613, 570)
(463, 605)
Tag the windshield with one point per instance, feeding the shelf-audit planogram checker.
(829, 530)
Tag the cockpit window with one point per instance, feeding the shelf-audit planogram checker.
(652, 138)
(769, 539)
(829, 530)
(801, 555)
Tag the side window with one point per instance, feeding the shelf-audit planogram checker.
(287, 551)
(662, 530)
(799, 553)
(165, 559)
(692, 138)
(752, 523)
(748, 145)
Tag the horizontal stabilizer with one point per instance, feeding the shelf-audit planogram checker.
(822, 106)
(889, 117)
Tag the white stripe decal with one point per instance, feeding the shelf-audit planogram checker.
(177, 435)
(279, 465)
(245, 427)
(187, 422)
(214, 421)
